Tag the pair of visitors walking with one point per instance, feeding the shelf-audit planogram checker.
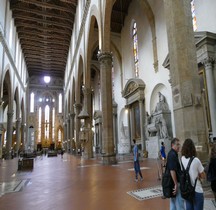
(196, 171)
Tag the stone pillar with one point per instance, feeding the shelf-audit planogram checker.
(68, 133)
(141, 107)
(105, 59)
(115, 125)
(188, 111)
(77, 109)
(129, 116)
(17, 135)
(22, 144)
(65, 135)
(209, 66)
(1, 130)
(72, 115)
(9, 134)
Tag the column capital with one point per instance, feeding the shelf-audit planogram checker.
(86, 90)
(104, 56)
(209, 61)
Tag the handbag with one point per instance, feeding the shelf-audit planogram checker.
(167, 184)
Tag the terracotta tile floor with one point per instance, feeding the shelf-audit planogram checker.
(75, 184)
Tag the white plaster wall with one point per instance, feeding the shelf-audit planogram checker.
(145, 49)
(2, 12)
(206, 15)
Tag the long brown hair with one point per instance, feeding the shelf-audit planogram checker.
(213, 151)
(188, 148)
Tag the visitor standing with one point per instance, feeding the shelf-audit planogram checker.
(136, 162)
(173, 165)
(196, 172)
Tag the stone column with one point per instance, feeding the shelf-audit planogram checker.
(65, 136)
(22, 144)
(115, 125)
(141, 107)
(77, 109)
(68, 132)
(188, 111)
(129, 115)
(9, 133)
(17, 135)
(105, 59)
(1, 130)
(209, 66)
(72, 115)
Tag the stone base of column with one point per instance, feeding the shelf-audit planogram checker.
(109, 159)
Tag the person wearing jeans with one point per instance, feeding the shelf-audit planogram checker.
(136, 162)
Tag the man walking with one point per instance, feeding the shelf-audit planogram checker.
(136, 162)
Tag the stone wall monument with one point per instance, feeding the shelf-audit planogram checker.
(158, 128)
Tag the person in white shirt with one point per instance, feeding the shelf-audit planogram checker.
(196, 171)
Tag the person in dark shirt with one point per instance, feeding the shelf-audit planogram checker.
(173, 165)
(212, 168)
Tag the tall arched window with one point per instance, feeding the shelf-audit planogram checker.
(39, 123)
(59, 135)
(60, 103)
(53, 124)
(193, 15)
(135, 49)
(47, 117)
(11, 33)
(32, 102)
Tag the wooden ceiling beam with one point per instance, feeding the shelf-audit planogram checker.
(44, 33)
(44, 43)
(43, 72)
(17, 10)
(25, 26)
(36, 46)
(44, 22)
(54, 38)
(40, 51)
(50, 6)
(41, 60)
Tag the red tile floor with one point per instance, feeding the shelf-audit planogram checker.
(72, 183)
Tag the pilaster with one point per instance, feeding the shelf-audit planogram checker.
(188, 110)
(209, 66)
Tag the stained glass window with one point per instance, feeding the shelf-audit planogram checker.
(59, 135)
(53, 124)
(39, 124)
(47, 117)
(60, 103)
(193, 15)
(135, 50)
(32, 102)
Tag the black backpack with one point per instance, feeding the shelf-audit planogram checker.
(187, 189)
(167, 184)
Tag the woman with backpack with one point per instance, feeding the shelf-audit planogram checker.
(196, 172)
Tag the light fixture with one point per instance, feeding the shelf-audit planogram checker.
(46, 79)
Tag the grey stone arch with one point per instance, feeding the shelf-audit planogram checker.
(72, 115)
(78, 100)
(7, 97)
(135, 103)
(124, 142)
(17, 119)
(23, 125)
(97, 115)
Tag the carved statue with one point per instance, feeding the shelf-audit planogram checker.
(163, 128)
(162, 104)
